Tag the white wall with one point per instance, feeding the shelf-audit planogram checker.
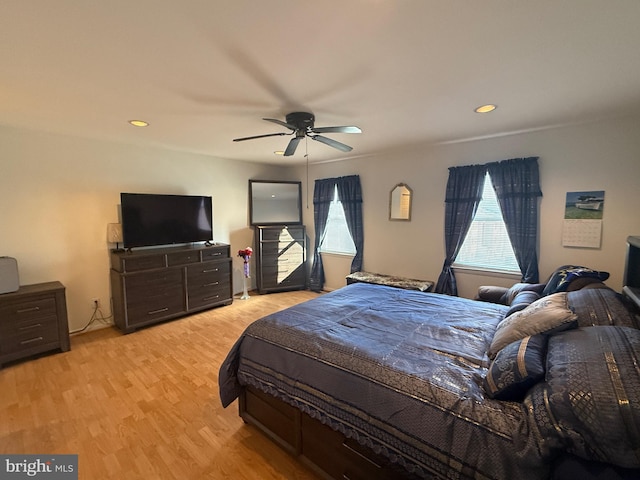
(58, 193)
(602, 155)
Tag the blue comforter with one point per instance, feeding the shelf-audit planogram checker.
(401, 371)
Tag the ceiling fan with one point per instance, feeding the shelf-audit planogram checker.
(302, 125)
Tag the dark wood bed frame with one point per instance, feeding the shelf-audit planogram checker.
(331, 455)
(326, 452)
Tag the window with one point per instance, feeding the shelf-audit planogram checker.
(487, 245)
(337, 238)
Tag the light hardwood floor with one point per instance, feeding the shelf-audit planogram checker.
(145, 405)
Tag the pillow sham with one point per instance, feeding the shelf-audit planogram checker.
(601, 306)
(546, 315)
(516, 368)
(562, 278)
(589, 404)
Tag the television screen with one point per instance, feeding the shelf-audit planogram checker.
(151, 219)
(632, 263)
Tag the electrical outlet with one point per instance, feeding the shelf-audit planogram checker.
(95, 303)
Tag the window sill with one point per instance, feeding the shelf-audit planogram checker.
(487, 272)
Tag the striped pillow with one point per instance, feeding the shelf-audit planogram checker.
(516, 368)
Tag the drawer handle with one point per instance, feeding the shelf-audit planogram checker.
(211, 270)
(160, 310)
(211, 284)
(211, 298)
(28, 327)
(216, 254)
(30, 309)
(37, 339)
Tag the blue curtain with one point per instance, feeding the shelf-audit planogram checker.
(517, 186)
(350, 195)
(464, 192)
(322, 196)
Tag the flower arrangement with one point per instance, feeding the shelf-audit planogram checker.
(246, 255)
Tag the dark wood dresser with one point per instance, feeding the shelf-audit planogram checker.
(152, 285)
(33, 320)
(280, 258)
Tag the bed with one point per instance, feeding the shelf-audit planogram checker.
(371, 381)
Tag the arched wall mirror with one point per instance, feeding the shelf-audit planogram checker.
(400, 202)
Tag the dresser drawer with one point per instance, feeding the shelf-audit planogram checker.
(282, 248)
(143, 262)
(205, 273)
(272, 278)
(208, 295)
(183, 258)
(282, 269)
(215, 252)
(141, 283)
(28, 336)
(23, 312)
(282, 261)
(155, 305)
(284, 234)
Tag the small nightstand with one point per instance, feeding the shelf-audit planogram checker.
(33, 320)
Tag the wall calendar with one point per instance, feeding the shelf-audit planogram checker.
(583, 219)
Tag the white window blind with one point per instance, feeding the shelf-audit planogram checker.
(337, 238)
(487, 245)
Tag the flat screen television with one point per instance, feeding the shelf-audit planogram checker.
(631, 279)
(152, 219)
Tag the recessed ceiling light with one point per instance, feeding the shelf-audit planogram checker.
(486, 108)
(139, 123)
(279, 152)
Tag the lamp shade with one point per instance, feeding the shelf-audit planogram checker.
(114, 232)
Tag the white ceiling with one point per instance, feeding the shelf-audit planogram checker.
(203, 72)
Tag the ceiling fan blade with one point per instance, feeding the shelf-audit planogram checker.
(291, 148)
(332, 143)
(260, 136)
(280, 122)
(346, 129)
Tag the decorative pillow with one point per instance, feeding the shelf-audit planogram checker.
(601, 306)
(522, 300)
(516, 368)
(561, 279)
(589, 404)
(547, 315)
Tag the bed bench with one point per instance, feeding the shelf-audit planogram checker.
(390, 281)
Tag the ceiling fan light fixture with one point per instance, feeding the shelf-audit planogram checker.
(489, 107)
(302, 125)
(138, 123)
(279, 152)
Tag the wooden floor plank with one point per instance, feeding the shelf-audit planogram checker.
(145, 405)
